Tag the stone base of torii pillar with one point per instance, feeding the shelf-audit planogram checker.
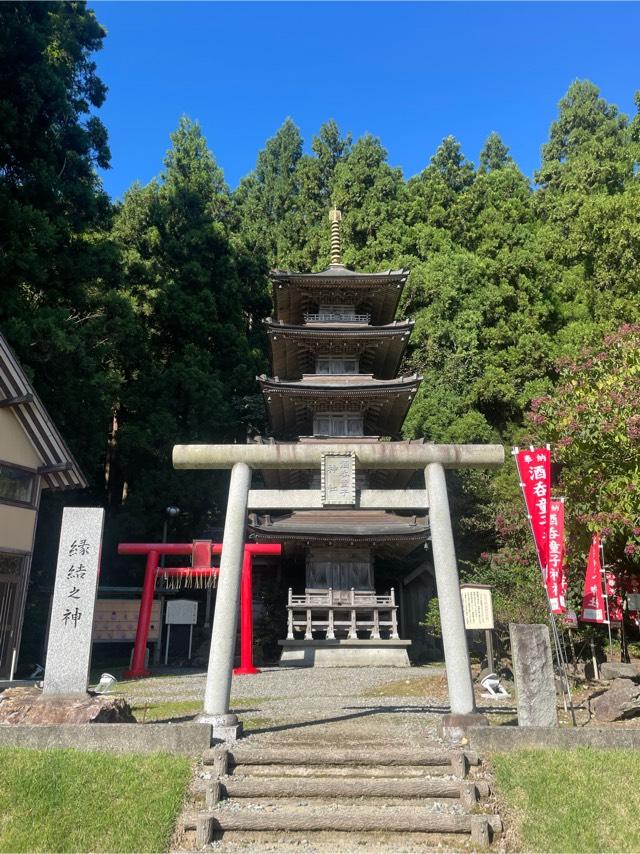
(388, 455)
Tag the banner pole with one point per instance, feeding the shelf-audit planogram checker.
(603, 577)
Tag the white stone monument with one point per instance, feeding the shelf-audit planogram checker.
(74, 598)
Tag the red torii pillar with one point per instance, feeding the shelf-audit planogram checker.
(201, 552)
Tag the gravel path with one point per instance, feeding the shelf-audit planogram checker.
(321, 704)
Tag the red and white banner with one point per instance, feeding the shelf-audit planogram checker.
(534, 468)
(556, 578)
(615, 597)
(632, 589)
(593, 610)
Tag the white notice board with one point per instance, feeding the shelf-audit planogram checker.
(477, 606)
(181, 612)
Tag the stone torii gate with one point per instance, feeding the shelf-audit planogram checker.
(241, 459)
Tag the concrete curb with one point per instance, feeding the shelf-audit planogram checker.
(190, 739)
(497, 739)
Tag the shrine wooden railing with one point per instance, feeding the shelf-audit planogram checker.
(336, 317)
(342, 614)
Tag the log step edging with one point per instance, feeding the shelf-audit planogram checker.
(320, 787)
(349, 756)
(206, 823)
(332, 772)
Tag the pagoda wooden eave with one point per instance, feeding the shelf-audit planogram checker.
(380, 348)
(376, 294)
(381, 530)
(383, 403)
(378, 524)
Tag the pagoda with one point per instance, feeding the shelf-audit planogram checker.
(336, 352)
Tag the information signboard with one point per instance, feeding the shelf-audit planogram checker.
(477, 606)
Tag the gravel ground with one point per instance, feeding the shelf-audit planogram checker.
(321, 704)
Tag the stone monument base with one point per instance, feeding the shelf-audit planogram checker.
(31, 706)
(344, 652)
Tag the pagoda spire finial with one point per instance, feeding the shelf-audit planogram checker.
(336, 244)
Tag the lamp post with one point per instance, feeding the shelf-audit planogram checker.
(170, 512)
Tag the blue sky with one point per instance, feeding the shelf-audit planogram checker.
(410, 73)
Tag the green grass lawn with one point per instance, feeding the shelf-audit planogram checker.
(65, 800)
(154, 711)
(571, 800)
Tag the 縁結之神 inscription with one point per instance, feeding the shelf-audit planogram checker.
(74, 597)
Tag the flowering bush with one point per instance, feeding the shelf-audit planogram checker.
(592, 420)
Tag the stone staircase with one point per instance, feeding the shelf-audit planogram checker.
(358, 795)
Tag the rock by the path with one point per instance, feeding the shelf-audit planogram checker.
(616, 669)
(30, 706)
(620, 701)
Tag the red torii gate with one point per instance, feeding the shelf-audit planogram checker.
(201, 552)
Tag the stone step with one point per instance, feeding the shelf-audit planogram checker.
(343, 818)
(359, 787)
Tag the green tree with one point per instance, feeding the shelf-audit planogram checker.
(265, 197)
(191, 371)
(370, 194)
(60, 305)
(494, 155)
(588, 214)
(592, 419)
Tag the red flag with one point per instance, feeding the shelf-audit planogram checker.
(556, 575)
(592, 596)
(632, 589)
(615, 597)
(534, 468)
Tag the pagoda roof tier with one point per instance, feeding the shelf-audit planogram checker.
(379, 348)
(375, 294)
(376, 528)
(383, 403)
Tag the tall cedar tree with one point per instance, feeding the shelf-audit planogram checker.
(192, 367)
(59, 307)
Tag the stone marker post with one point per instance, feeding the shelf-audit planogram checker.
(74, 597)
(533, 674)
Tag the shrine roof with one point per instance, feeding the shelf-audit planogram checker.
(340, 384)
(336, 273)
(375, 294)
(342, 525)
(341, 330)
(383, 403)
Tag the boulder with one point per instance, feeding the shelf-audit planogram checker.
(620, 701)
(616, 669)
(30, 706)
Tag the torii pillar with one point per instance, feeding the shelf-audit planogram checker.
(433, 459)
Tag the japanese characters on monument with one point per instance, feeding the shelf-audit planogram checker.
(556, 576)
(74, 597)
(593, 597)
(534, 468)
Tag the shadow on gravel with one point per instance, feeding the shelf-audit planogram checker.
(363, 712)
